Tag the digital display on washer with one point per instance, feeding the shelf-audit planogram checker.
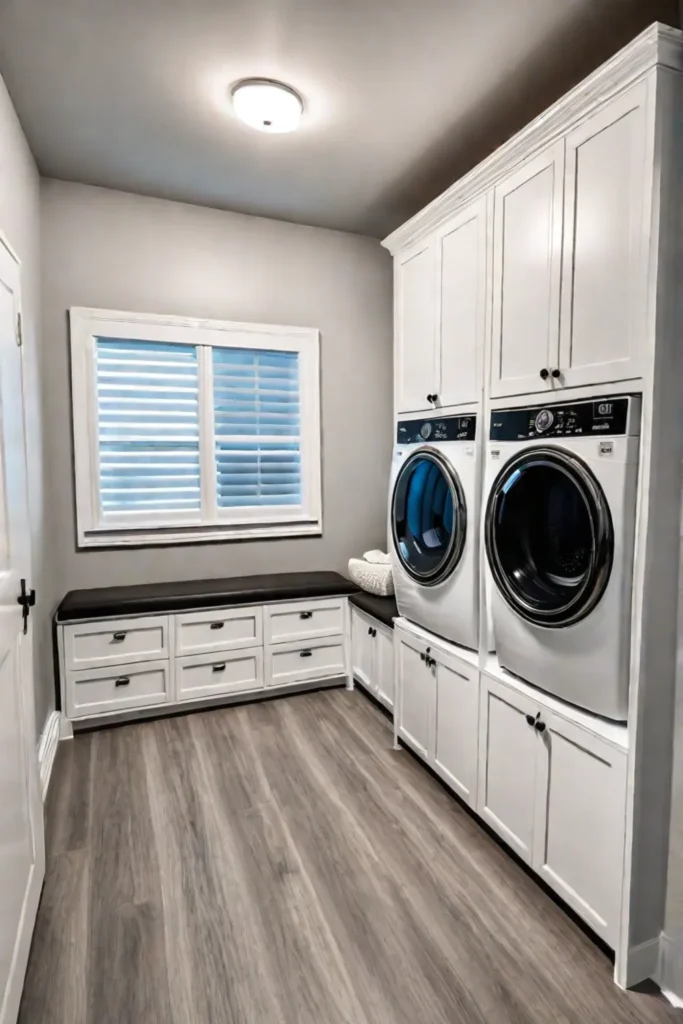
(604, 417)
(443, 428)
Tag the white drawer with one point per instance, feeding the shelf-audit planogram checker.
(293, 663)
(210, 675)
(303, 620)
(100, 690)
(115, 642)
(221, 630)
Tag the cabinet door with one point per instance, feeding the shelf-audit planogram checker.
(416, 698)
(579, 844)
(604, 286)
(457, 715)
(461, 331)
(508, 758)
(383, 666)
(527, 263)
(362, 649)
(415, 326)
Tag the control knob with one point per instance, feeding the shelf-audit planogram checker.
(426, 430)
(544, 421)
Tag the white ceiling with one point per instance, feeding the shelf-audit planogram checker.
(402, 96)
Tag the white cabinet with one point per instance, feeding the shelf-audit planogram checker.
(372, 656)
(415, 305)
(461, 302)
(527, 265)
(556, 793)
(457, 713)
(605, 244)
(416, 696)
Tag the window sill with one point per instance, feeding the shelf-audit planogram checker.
(173, 536)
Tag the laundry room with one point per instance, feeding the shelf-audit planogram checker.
(341, 479)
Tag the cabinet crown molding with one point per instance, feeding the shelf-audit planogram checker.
(658, 45)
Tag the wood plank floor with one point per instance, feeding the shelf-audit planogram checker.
(279, 862)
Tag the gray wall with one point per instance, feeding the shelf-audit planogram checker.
(110, 249)
(19, 222)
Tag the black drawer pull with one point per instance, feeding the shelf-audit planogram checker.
(218, 667)
(216, 625)
(122, 681)
(305, 615)
(306, 654)
(118, 637)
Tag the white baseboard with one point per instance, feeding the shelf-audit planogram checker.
(47, 749)
(669, 975)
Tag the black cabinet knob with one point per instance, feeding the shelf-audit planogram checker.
(529, 719)
(539, 726)
(369, 630)
(555, 373)
(430, 398)
(544, 373)
(435, 398)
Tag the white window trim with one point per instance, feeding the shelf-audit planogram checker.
(183, 528)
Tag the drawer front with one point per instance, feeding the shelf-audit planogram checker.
(302, 620)
(115, 642)
(293, 663)
(212, 675)
(204, 632)
(101, 690)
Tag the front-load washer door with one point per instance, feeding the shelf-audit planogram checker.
(428, 517)
(549, 536)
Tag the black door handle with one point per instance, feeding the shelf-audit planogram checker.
(218, 667)
(122, 681)
(306, 654)
(216, 625)
(305, 615)
(26, 599)
(555, 373)
(544, 373)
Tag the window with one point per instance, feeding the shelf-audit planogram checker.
(188, 430)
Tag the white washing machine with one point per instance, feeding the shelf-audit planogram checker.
(560, 493)
(434, 517)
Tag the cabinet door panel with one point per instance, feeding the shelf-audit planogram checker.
(417, 700)
(604, 275)
(527, 257)
(457, 710)
(384, 666)
(508, 759)
(362, 645)
(415, 326)
(580, 830)
(462, 297)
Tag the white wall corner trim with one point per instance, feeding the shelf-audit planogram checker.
(47, 750)
(657, 45)
(669, 975)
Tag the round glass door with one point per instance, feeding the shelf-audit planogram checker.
(428, 516)
(549, 537)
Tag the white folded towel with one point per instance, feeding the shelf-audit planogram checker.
(377, 557)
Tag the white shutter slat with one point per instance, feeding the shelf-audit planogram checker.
(257, 428)
(148, 426)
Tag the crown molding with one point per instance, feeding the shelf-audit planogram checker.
(657, 45)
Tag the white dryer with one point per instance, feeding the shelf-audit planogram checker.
(560, 492)
(433, 525)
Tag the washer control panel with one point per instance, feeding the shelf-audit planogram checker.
(608, 416)
(443, 428)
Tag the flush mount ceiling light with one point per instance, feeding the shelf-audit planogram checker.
(267, 106)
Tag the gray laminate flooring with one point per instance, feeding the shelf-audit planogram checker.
(279, 862)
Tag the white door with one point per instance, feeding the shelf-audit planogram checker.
(384, 666)
(416, 697)
(22, 852)
(527, 263)
(415, 283)
(580, 822)
(604, 284)
(461, 333)
(457, 714)
(508, 758)
(362, 649)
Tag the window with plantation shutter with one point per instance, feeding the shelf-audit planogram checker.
(191, 430)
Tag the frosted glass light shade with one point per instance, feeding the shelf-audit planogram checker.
(267, 106)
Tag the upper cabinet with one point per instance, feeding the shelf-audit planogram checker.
(527, 269)
(604, 279)
(415, 290)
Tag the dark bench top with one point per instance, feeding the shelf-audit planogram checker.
(151, 598)
(382, 608)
